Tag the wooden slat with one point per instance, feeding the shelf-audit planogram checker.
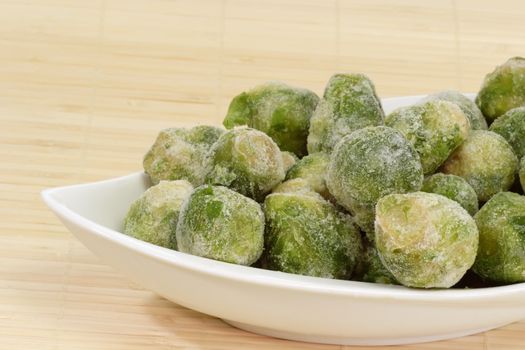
(86, 85)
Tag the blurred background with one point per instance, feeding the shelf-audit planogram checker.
(85, 86)
(111, 73)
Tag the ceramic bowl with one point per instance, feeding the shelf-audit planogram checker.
(275, 303)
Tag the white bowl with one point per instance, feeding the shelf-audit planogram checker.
(275, 303)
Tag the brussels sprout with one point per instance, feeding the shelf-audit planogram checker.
(501, 254)
(503, 89)
(306, 235)
(153, 216)
(218, 223)
(179, 154)
(522, 173)
(453, 187)
(296, 186)
(372, 268)
(247, 161)
(472, 112)
(281, 111)
(312, 168)
(202, 135)
(435, 129)
(289, 160)
(511, 126)
(486, 161)
(425, 240)
(369, 164)
(349, 103)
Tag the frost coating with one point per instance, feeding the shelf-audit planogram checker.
(503, 89)
(247, 161)
(476, 118)
(501, 254)
(153, 216)
(349, 103)
(435, 129)
(425, 240)
(179, 154)
(218, 223)
(511, 126)
(522, 173)
(312, 168)
(306, 235)
(486, 161)
(281, 111)
(369, 164)
(289, 159)
(455, 188)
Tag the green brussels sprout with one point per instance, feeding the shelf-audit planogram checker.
(247, 161)
(180, 154)
(372, 268)
(501, 253)
(218, 223)
(202, 135)
(296, 186)
(486, 161)
(312, 168)
(424, 239)
(289, 160)
(435, 129)
(472, 112)
(503, 89)
(453, 187)
(154, 215)
(522, 173)
(281, 111)
(369, 164)
(349, 103)
(306, 235)
(511, 126)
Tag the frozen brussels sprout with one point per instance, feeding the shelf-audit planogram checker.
(511, 126)
(369, 164)
(349, 103)
(281, 111)
(522, 173)
(472, 112)
(306, 235)
(179, 154)
(424, 239)
(296, 186)
(372, 268)
(218, 223)
(153, 216)
(503, 89)
(435, 129)
(501, 254)
(486, 161)
(312, 168)
(247, 161)
(453, 187)
(289, 159)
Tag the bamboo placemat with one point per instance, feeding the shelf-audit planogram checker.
(86, 85)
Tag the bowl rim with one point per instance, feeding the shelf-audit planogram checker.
(262, 277)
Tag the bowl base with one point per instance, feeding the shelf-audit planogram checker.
(309, 338)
